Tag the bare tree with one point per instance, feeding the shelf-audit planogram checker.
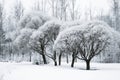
(40, 5)
(43, 5)
(115, 9)
(63, 4)
(36, 6)
(59, 8)
(52, 4)
(56, 9)
(2, 15)
(88, 13)
(73, 3)
(18, 10)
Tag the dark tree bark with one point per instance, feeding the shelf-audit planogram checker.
(44, 59)
(60, 58)
(67, 58)
(23, 55)
(87, 64)
(43, 53)
(74, 57)
(73, 60)
(30, 57)
(55, 62)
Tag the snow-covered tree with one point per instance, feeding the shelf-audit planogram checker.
(38, 43)
(29, 23)
(23, 39)
(85, 41)
(44, 38)
(18, 10)
(26, 26)
(69, 24)
(33, 20)
(2, 15)
(116, 15)
(51, 29)
(12, 20)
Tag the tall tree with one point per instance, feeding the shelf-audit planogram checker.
(1, 26)
(73, 2)
(63, 5)
(52, 5)
(36, 6)
(18, 10)
(115, 9)
(40, 5)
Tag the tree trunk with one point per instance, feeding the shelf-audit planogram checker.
(44, 59)
(10, 58)
(60, 58)
(87, 64)
(23, 56)
(67, 58)
(55, 62)
(73, 60)
(30, 56)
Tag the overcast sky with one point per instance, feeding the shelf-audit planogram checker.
(96, 5)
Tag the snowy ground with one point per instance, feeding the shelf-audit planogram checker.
(27, 71)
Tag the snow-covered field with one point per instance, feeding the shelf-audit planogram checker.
(27, 71)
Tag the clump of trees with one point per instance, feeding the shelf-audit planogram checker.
(35, 32)
(52, 38)
(84, 42)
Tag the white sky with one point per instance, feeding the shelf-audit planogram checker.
(96, 5)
